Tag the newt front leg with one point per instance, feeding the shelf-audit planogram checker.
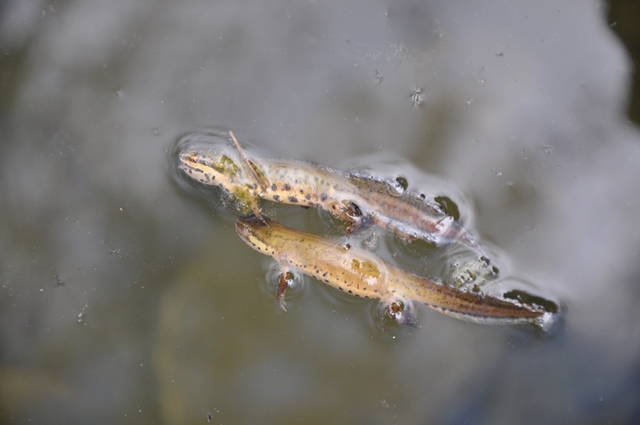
(395, 310)
(285, 281)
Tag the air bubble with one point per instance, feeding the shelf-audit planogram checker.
(371, 243)
(396, 188)
(417, 97)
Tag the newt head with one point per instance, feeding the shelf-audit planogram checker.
(207, 164)
(255, 231)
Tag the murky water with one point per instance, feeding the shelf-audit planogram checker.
(124, 299)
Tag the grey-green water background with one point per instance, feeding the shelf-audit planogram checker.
(125, 300)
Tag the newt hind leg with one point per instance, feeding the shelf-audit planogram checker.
(351, 213)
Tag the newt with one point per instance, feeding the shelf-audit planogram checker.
(360, 273)
(356, 199)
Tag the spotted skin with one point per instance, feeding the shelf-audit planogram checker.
(360, 273)
(357, 200)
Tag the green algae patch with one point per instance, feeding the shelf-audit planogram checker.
(365, 268)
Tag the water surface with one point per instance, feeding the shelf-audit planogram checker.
(124, 299)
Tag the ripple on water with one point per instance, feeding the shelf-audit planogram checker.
(269, 285)
(217, 144)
